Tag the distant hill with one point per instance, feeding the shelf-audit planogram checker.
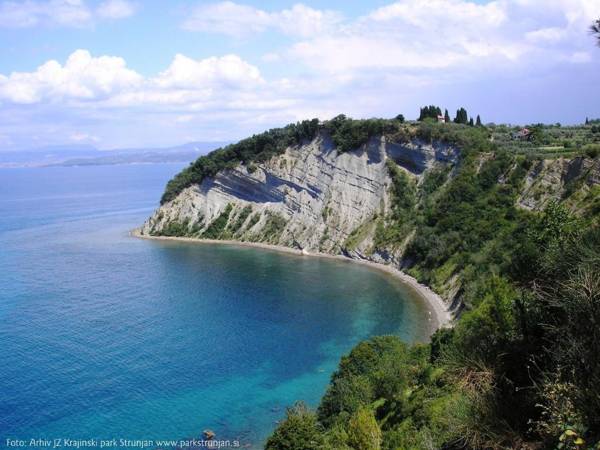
(87, 155)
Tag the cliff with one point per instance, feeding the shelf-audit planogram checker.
(366, 203)
(310, 197)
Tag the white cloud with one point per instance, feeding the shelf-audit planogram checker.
(30, 13)
(227, 18)
(439, 15)
(550, 34)
(235, 19)
(67, 13)
(442, 35)
(229, 70)
(115, 9)
(82, 77)
(456, 36)
(107, 81)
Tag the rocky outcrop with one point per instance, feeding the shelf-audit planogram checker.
(310, 197)
(555, 179)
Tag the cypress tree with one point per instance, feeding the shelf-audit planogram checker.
(430, 112)
(446, 116)
(461, 116)
(478, 122)
(471, 122)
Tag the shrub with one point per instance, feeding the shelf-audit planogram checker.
(363, 430)
(299, 431)
(217, 226)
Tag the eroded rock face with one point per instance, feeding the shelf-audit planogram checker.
(310, 197)
(549, 180)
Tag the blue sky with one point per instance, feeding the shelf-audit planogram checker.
(123, 73)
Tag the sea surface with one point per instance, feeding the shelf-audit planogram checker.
(107, 336)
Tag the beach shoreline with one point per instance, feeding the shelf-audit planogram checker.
(440, 316)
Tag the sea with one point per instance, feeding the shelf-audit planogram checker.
(110, 341)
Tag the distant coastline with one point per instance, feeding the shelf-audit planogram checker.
(440, 316)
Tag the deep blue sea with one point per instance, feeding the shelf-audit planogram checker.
(107, 336)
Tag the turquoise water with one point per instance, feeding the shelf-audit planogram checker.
(107, 336)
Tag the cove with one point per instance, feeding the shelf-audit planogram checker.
(105, 336)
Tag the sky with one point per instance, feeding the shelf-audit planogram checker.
(133, 73)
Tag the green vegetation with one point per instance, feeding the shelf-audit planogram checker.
(300, 430)
(548, 141)
(359, 234)
(461, 116)
(349, 134)
(521, 367)
(274, 226)
(239, 221)
(394, 228)
(217, 227)
(430, 112)
(175, 228)
(595, 29)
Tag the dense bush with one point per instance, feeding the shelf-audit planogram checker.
(349, 134)
(299, 430)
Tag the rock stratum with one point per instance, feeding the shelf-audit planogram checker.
(311, 197)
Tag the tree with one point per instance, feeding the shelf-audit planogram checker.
(363, 431)
(299, 431)
(471, 122)
(400, 118)
(595, 29)
(430, 112)
(446, 116)
(478, 122)
(461, 116)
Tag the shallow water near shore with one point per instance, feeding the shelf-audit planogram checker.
(107, 336)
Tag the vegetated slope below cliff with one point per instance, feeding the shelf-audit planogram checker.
(407, 198)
